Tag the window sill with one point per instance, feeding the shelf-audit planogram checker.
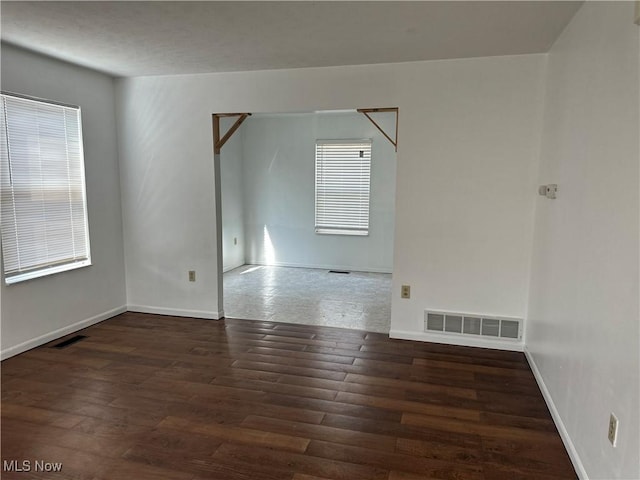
(330, 231)
(43, 272)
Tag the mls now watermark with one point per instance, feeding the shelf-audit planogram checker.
(30, 466)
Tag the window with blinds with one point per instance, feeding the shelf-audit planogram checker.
(343, 179)
(42, 190)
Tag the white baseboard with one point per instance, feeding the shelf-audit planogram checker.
(322, 267)
(233, 267)
(176, 312)
(61, 332)
(464, 341)
(566, 439)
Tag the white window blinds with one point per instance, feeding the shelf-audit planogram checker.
(43, 201)
(343, 178)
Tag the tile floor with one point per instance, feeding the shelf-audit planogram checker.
(309, 296)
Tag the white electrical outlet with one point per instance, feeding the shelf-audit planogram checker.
(613, 429)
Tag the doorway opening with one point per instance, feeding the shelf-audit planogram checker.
(306, 216)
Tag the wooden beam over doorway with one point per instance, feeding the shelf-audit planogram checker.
(367, 111)
(219, 142)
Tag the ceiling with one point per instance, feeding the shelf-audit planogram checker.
(156, 38)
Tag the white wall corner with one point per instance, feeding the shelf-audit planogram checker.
(61, 332)
(566, 439)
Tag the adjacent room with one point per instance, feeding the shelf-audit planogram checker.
(320, 240)
(307, 218)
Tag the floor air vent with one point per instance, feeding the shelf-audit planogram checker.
(472, 324)
(344, 272)
(69, 341)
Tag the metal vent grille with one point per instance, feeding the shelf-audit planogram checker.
(435, 321)
(68, 341)
(472, 324)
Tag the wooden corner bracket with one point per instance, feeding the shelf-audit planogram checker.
(367, 111)
(218, 142)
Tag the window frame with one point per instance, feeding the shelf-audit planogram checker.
(47, 268)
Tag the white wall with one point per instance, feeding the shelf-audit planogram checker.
(279, 179)
(583, 327)
(42, 309)
(465, 186)
(232, 190)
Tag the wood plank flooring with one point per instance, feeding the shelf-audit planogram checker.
(158, 397)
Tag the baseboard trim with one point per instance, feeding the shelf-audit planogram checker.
(322, 267)
(61, 332)
(176, 312)
(232, 267)
(564, 435)
(457, 340)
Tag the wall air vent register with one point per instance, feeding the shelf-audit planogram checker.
(472, 324)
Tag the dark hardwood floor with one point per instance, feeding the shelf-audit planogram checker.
(156, 397)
